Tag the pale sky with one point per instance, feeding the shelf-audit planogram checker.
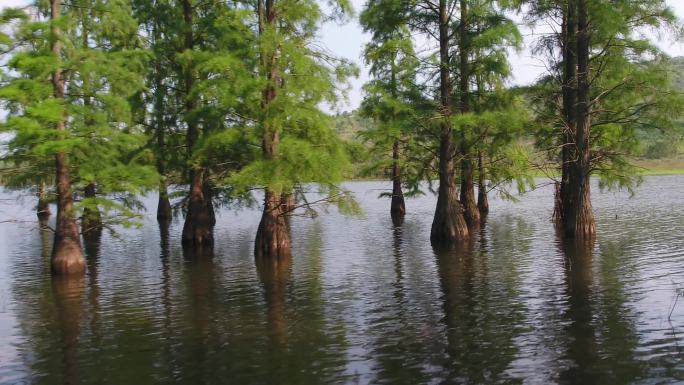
(348, 41)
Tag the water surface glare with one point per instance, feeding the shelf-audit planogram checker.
(361, 301)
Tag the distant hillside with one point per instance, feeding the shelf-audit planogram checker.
(677, 64)
(349, 124)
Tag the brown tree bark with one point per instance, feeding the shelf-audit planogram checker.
(482, 196)
(92, 219)
(569, 50)
(272, 238)
(43, 207)
(287, 204)
(578, 218)
(67, 255)
(470, 209)
(398, 207)
(198, 229)
(448, 226)
(200, 219)
(164, 212)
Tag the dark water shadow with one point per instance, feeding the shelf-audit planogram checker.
(601, 341)
(274, 275)
(399, 340)
(197, 360)
(582, 347)
(480, 330)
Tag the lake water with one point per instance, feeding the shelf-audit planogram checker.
(361, 301)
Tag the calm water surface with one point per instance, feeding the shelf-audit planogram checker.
(361, 301)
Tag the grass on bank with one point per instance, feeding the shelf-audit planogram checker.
(673, 166)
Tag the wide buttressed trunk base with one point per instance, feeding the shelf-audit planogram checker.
(578, 218)
(198, 229)
(273, 236)
(449, 227)
(67, 255)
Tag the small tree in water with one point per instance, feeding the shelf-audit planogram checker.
(73, 68)
(607, 93)
(392, 95)
(297, 143)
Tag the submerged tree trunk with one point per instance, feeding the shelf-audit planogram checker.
(273, 236)
(43, 207)
(398, 207)
(569, 50)
(67, 255)
(470, 207)
(470, 210)
(482, 196)
(92, 219)
(164, 213)
(198, 228)
(448, 226)
(578, 218)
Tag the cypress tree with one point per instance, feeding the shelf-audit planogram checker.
(74, 68)
(601, 64)
(297, 143)
(392, 96)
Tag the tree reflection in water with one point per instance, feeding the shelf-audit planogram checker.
(68, 294)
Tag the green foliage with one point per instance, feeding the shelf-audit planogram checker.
(102, 66)
(633, 88)
(308, 150)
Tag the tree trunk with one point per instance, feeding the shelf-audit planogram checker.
(287, 204)
(272, 238)
(470, 210)
(578, 217)
(482, 196)
(164, 212)
(92, 219)
(470, 207)
(200, 219)
(448, 226)
(569, 49)
(67, 255)
(43, 208)
(198, 229)
(398, 207)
